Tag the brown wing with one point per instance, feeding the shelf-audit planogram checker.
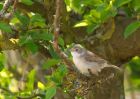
(91, 57)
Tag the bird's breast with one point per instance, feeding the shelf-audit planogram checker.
(83, 65)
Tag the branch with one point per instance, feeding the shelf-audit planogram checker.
(57, 24)
(6, 6)
(56, 34)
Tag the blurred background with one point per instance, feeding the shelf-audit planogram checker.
(30, 68)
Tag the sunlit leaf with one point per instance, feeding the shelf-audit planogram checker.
(1, 66)
(81, 24)
(27, 2)
(2, 57)
(131, 28)
(31, 79)
(136, 5)
(119, 3)
(14, 21)
(5, 27)
(41, 85)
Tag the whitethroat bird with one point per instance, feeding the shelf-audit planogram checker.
(87, 62)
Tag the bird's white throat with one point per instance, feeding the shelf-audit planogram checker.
(76, 55)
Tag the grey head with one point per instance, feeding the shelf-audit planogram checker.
(77, 50)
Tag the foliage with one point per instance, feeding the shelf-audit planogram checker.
(96, 12)
(33, 32)
(134, 69)
(131, 28)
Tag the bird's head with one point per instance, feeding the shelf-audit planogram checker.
(77, 50)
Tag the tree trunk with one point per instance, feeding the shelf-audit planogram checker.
(110, 89)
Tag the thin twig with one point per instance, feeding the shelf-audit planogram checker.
(56, 34)
(57, 24)
(6, 6)
(15, 5)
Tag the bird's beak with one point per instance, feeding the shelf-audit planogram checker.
(72, 49)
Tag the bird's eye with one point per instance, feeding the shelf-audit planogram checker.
(76, 49)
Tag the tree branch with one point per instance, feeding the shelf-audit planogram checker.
(6, 6)
(56, 34)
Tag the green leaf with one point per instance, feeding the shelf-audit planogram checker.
(61, 41)
(134, 66)
(52, 52)
(50, 93)
(136, 5)
(40, 35)
(2, 61)
(50, 63)
(1, 6)
(81, 24)
(119, 3)
(23, 40)
(62, 70)
(40, 85)
(32, 46)
(23, 19)
(2, 57)
(27, 2)
(59, 74)
(91, 28)
(46, 36)
(5, 27)
(38, 21)
(131, 28)
(31, 79)
(28, 42)
(1, 66)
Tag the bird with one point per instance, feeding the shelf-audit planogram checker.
(86, 61)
